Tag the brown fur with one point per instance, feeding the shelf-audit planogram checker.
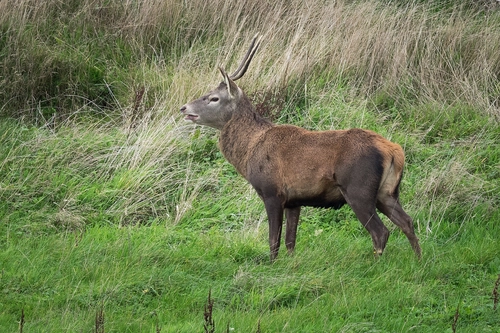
(290, 167)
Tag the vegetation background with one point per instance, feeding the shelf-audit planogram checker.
(117, 216)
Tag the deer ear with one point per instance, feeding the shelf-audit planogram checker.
(232, 88)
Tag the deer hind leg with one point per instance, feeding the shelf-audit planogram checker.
(292, 221)
(390, 207)
(366, 213)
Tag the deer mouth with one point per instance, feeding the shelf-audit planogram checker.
(191, 117)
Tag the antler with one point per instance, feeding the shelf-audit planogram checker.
(246, 60)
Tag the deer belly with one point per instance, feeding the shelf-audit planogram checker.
(315, 196)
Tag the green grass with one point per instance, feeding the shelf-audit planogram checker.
(110, 202)
(143, 275)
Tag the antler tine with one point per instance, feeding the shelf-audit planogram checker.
(246, 60)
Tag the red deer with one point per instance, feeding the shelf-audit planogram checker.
(290, 167)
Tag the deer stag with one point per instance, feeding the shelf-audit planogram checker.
(290, 167)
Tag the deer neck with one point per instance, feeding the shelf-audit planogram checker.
(239, 136)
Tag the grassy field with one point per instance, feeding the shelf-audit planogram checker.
(118, 216)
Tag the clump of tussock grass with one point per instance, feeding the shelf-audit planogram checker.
(157, 176)
(80, 176)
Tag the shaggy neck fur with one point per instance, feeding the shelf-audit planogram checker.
(239, 135)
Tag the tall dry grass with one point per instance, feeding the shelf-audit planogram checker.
(411, 52)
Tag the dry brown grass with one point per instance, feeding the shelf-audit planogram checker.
(411, 52)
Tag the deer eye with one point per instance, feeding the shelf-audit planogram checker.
(214, 99)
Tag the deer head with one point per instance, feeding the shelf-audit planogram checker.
(216, 108)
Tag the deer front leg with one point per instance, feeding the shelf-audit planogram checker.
(292, 221)
(274, 209)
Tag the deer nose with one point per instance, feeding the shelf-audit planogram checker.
(183, 109)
